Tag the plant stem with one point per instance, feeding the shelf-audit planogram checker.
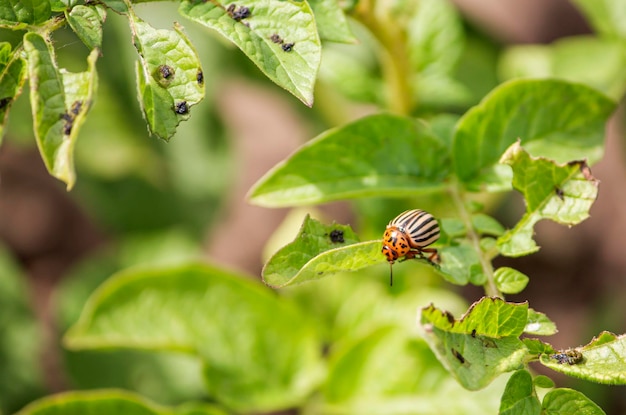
(393, 56)
(485, 258)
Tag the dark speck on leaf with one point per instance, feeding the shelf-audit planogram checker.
(288, 47)
(76, 107)
(559, 192)
(238, 13)
(336, 236)
(181, 108)
(276, 39)
(68, 124)
(166, 71)
(200, 77)
(4, 102)
(458, 355)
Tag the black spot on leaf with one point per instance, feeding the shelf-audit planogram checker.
(181, 108)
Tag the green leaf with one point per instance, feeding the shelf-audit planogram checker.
(169, 77)
(259, 352)
(12, 75)
(509, 280)
(565, 401)
(542, 381)
(491, 317)
(331, 21)
(60, 101)
(17, 13)
(539, 324)
(519, 396)
(603, 360)
(105, 402)
(606, 16)
(480, 346)
(86, 22)
(536, 347)
(319, 251)
(554, 119)
(562, 193)
(379, 155)
(460, 265)
(487, 225)
(600, 67)
(279, 36)
(21, 342)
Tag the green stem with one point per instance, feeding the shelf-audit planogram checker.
(393, 57)
(458, 198)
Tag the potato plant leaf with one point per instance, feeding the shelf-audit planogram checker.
(509, 280)
(111, 401)
(12, 76)
(539, 324)
(319, 251)
(279, 36)
(552, 118)
(603, 360)
(16, 14)
(562, 193)
(480, 346)
(379, 155)
(565, 401)
(169, 76)
(86, 22)
(60, 101)
(537, 347)
(519, 397)
(331, 21)
(259, 351)
(460, 265)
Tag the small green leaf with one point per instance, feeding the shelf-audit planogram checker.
(474, 358)
(169, 76)
(60, 101)
(86, 22)
(562, 193)
(509, 280)
(606, 16)
(105, 402)
(603, 360)
(331, 21)
(536, 347)
(554, 119)
(12, 76)
(460, 264)
(490, 317)
(260, 353)
(487, 225)
(379, 155)
(519, 397)
(15, 14)
(452, 227)
(319, 251)
(279, 36)
(539, 324)
(544, 382)
(565, 401)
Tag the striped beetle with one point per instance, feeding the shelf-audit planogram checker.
(408, 235)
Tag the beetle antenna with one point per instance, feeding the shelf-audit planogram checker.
(390, 274)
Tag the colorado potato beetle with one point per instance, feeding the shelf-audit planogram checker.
(408, 235)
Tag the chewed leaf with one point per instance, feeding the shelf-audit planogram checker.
(563, 193)
(318, 251)
(60, 101)
(603, 360)
(481, 345)
(279, 36)
(169, 76)
(86, 22)
(539, 324)
(12, 76)
(555, 119)
(491, 317)
(396, 156)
